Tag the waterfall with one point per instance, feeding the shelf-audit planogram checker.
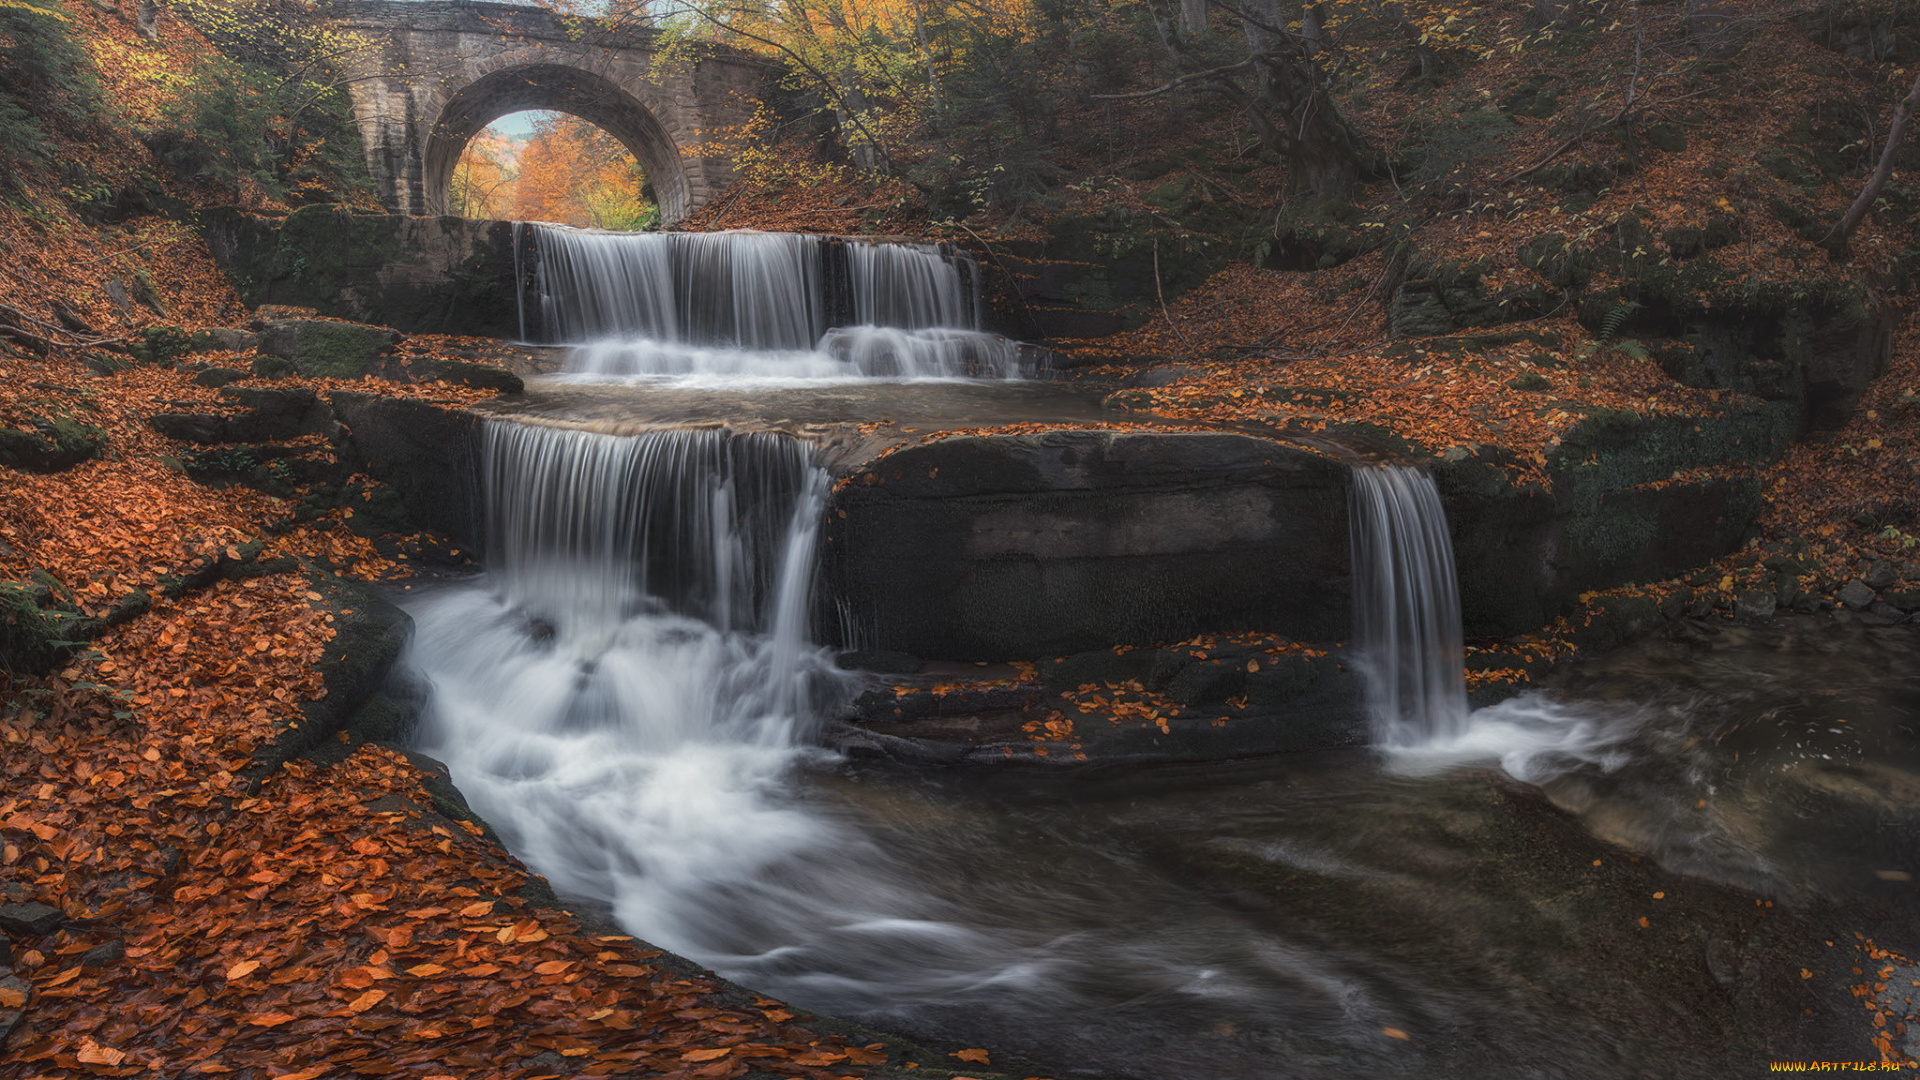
(1406, 607)
(593, 529)
(745, 290)
(913, 286)
(625, 696)
(749, 305)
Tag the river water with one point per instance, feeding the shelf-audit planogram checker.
(1575, 883)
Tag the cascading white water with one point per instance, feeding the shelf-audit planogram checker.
(624, 692)
(744, 290)
(626, 695)
(880, 352)
(1407, 632)
(757, 306)
(1406, 607)
(913, 287)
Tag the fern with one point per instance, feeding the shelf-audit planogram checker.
(1615, 319)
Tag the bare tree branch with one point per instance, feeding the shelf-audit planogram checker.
(1836, 241)
(1198, 76)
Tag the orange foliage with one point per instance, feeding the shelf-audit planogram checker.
(574, 173)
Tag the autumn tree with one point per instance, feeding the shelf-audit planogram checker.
(47, 84)
(574, 173)
(268, 115)
(484, 178)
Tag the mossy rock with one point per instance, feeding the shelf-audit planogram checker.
(1667, 138)
(273, 367)
(161, 346)
(323, 348)
(50, 444)
(1611, 621)
(37, 630)
(477, 376)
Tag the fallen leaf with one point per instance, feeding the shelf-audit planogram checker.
(267, 1020)
(977, 1056)
(706, 1055)
(92, 1053)
(366, 1001)
(242, 969)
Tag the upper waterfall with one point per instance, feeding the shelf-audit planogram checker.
(757, 305)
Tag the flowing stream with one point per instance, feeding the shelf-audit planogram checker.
(629, 691)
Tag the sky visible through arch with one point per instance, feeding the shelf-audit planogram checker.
(517, 125)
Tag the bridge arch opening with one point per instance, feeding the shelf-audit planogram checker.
(556, 88)
(551, 166)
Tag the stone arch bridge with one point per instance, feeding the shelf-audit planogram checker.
(435, 73)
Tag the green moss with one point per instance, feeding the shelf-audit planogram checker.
(50, 443)
(35, 632)
(1668, 138)
(161, 346)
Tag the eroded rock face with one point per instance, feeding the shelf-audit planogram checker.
(423, 452)
(1001, 546)
(417, 274)
(1633, 498)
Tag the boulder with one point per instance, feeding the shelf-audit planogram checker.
(270, 412)
(50, 445)
(224, 339)
(1611, 621)
(203, 428)
(13, 989)
(1013, 546)
(274, 412)
(1622, 508)
(462, 373)
(325, 348)
(1856, 594)
(1753, 605)
(30, 919)
(423, 453)
(218, 376)
(1906, 598)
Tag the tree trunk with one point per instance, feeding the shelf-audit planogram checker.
(1304, 127)
(1707, 27)
(1193, 16)
(1837, 240)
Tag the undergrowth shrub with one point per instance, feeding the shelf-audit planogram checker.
(47, 83)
